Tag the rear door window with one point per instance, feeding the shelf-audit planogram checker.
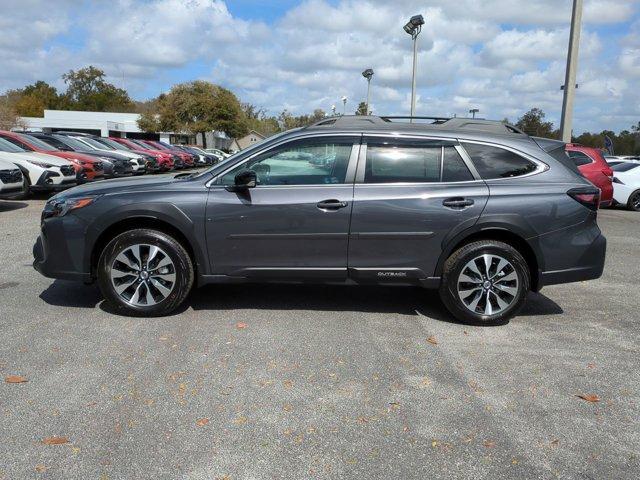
(402, 164)
(453, 167)
(495, 162)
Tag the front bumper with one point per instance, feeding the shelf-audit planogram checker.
(59, 265)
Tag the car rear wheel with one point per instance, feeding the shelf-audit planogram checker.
(485, 283)
(145, 273)
(634, 201)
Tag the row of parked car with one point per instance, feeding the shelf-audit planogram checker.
(617, 177)
(33, 161)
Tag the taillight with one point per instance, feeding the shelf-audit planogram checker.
(587, 196)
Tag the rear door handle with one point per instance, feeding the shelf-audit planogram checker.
(331, 204)
(457, 202)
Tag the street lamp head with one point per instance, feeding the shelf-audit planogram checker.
(414, 25)
(417, 20)
(368, 73)
(344, 99)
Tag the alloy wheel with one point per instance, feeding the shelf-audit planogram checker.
(143, 275)
(488, 284)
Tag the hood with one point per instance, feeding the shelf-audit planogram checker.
(41, 157)
(83, 157)
(124, 153)
(100, 154)
(120, 185)
(6, 163)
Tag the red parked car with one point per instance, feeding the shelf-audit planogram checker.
(165, 160)
(594, 168)
(87, 168)
(188, 159)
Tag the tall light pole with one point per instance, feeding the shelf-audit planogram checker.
(413, 28)
(368, 74)
(473, 112)
(344, 105)
(570, 77)
(333, 109)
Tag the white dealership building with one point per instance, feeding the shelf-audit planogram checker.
(114, 124)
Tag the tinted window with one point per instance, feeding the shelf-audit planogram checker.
(17, 143)
(625, 167)
(494, 162)
(298, 163)
(454, 169)
(392, 164)
(6, 146)
(39, 143)
(579, 158)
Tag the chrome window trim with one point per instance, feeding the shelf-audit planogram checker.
(540, 165)
(357, 139)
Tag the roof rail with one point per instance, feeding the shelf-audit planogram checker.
(455, 123)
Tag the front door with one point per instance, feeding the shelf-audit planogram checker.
(409, 194)
(295, 222)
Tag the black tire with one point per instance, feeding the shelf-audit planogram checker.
(454, 266)
(184, 272)
(26, 189)
(634, 201)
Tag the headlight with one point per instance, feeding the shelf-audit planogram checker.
(40, 164)
(59, 208)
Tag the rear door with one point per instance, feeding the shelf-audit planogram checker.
(409, 194)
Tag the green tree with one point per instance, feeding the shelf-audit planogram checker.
(362, 109)
(196, 107)
(32, 100)
(87, 89)
(258, 120)
(533, 124)
(9, 117)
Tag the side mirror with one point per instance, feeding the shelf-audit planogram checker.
(244, 180)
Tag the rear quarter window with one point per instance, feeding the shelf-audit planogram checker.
(579, 158)
(495, 162)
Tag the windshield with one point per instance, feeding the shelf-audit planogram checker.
(102, 143)
(141, 144)
(71, 142)
(112, 143)
(93, 143)
(625, 167)
(6, 146)
(38, 143)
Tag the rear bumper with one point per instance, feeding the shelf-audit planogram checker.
(590, 266)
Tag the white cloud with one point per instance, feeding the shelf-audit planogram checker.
(501, 56)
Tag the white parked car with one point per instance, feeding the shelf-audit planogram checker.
(222, 155)
(138, 162)
(11, 181)
(626, 184)
(43, 172)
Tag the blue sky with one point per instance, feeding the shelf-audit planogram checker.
(501, 56)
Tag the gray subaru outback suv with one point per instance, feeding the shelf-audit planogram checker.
(477, 209)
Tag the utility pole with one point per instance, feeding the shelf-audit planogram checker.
(570, 77)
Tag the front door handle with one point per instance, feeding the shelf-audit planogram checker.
(331, 204)
(457, 202)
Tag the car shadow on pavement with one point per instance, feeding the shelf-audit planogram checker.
(10, 206)
(282, 297)
(367, 299)
(71, 294)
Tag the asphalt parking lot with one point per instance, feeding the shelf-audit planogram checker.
(261, 382)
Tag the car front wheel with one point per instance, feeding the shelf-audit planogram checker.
(634, 201)
(485, 283)
(145, 272)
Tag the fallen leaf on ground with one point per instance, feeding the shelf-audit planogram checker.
(489, 443)
(15, 379)
(202, 422)
(240, 420)
(287, 384)
(40, 468)
(432, 340)
(55, 440)
(589, 397)
(555, 443)
(241, 325)
(591, 365)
